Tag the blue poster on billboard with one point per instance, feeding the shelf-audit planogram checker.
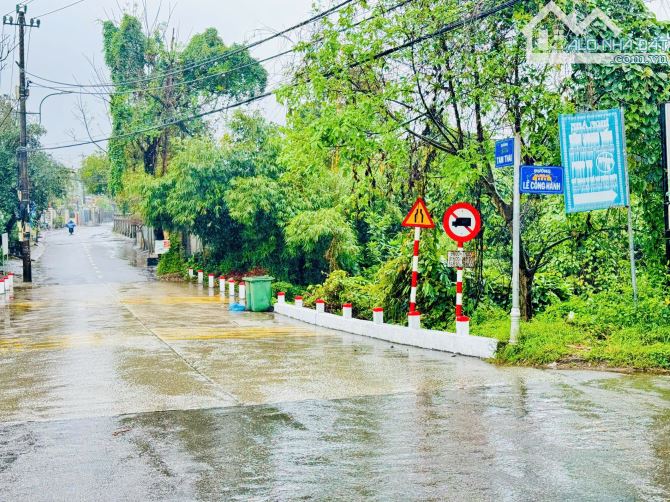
(542, 180)
(593, 149)
(505, 153)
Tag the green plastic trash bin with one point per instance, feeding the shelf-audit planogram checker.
(259, 293)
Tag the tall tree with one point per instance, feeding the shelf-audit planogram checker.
(155, 81)
(440, 103)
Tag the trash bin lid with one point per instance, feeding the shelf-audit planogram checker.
(260, 278)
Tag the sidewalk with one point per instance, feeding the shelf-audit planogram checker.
(15, 265)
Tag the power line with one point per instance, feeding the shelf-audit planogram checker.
(445, 29)
(163, 125)
(213, 75)
(186, 82)
(60, 8)
(224, 56)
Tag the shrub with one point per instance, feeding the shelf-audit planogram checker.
(172, 262)
(340, 288)
(289, 289)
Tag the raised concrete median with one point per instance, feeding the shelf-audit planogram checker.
(474, 346)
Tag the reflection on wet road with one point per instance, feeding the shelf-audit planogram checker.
(115, 387)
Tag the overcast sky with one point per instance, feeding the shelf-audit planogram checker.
(69, 43)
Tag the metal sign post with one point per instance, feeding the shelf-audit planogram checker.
(515, 314)
(462, 223)
(631, 237)
(665, 141)
(417, 218)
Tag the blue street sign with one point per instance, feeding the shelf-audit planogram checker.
(542, 180)
(505, 153)
(593, 149)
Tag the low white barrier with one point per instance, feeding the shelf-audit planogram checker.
(475, 346)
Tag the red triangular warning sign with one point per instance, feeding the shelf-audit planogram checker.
(418, 216)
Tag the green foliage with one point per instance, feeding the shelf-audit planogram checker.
(550, 288)
(290, 290)
(94, 173)
(339, 288)
(310, 231)
(639, 89)
(172, 262)
(49, 179)
(320, 199)
(606, 328)
(157, 82)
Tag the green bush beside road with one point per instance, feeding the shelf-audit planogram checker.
(605, 329)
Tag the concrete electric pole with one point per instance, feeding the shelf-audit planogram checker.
(24, 180)
(515, 315)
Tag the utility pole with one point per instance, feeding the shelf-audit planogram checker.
(24, 180)
(515, 315)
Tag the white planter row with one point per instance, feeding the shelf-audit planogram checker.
(466, 345)
(212, 282)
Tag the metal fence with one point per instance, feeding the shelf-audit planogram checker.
(144, 235)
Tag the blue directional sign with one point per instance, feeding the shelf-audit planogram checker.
(542, 180)
(593, 149)
(505, 153)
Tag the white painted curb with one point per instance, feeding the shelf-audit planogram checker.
(475, 346)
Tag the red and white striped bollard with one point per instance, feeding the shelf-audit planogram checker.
(462, 322)
(415, 270)
(459, 286)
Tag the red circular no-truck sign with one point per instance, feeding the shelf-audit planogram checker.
(462, 222)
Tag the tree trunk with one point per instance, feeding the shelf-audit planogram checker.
(150, 155)
(186, 243)
(526, 278)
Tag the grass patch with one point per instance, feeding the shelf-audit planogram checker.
(604, 330)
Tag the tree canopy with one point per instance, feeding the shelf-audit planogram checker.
(376, 119)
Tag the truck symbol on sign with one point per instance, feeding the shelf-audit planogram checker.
(462, 222)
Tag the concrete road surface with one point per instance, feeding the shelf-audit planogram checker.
(117, 387)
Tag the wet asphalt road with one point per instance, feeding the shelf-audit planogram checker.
(115, 387)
